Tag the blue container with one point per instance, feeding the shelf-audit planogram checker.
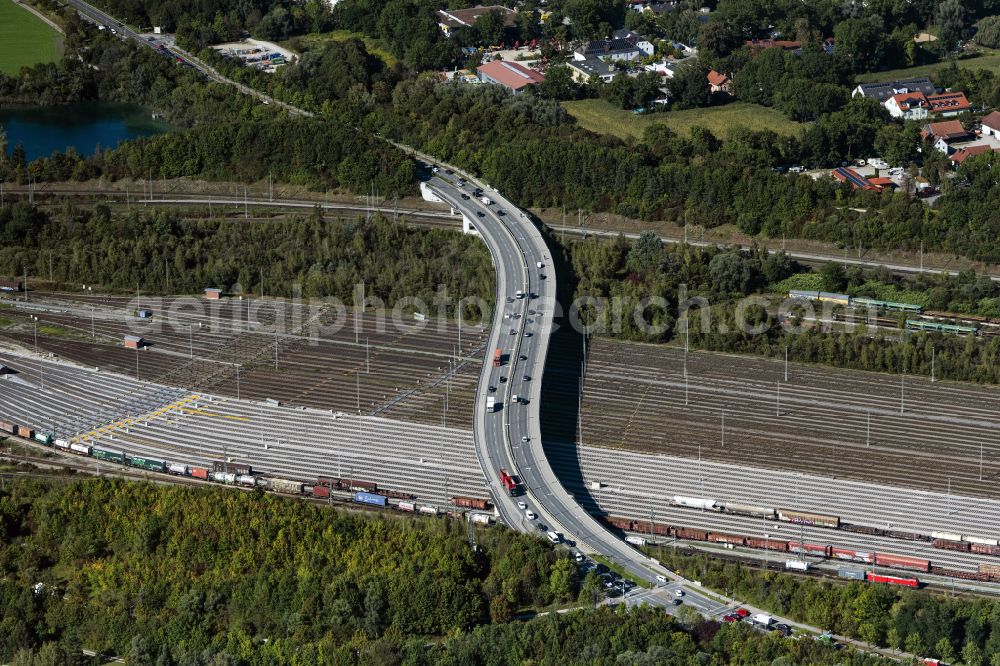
(369, 498)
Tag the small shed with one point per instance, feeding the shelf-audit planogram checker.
(213, 293)
(133, 342)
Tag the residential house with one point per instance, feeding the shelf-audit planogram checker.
(965, 153)
(582, 70)
(451, 20)
(883, 91)
(665, 68)
(948, 104)
(991, 124)
(647, 47)
(917, 106)
(607, 49)
(907, 105)
(719, 83)
(511, 75)
(660, 8)
(944, 133)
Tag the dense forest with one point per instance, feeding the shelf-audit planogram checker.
(324, 257)
(932, 625)
(192, 576)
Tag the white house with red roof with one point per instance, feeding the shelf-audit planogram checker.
(915, 105)
(990, 124)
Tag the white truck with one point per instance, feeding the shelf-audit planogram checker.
(515, 399)
(486, 200)
(763, 620)
(538, 264)
(491, 404)
(797, 565)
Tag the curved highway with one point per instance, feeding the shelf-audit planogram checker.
(509, 437)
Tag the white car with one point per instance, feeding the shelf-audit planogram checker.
(522, 506)
(530, 515)
(678, 593)
(660, 578)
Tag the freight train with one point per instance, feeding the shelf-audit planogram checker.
(827, 551)
(241, 474)
(768, 513)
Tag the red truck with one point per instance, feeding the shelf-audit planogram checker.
(497, 358)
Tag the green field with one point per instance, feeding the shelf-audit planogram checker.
(25, 39)
(983, 59)
(602, 117)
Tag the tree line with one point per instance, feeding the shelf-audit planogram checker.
(170, 575)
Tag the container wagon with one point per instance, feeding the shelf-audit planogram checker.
(223, 477)
(177, 469)
(44, 438)
(9, 427)
(199, 473)
(26, 432)
(321, 492)
(82, 449)
(852, 574)
(470, 502)
(369, 498)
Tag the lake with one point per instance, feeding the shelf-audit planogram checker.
(85, 127)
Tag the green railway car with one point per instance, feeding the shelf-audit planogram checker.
(109, 456)
(147, 463)
(917, 325)
(44, 438)
(886, 305)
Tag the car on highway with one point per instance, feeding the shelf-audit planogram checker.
(502, 379)
(527, 334)
(542, 527)
(660, 578)
(522, 506)
(578, 556)
(435, 169)
(523, 357)
(527, 378)
(541, 276)
(493, 389)
(676, 602)
(513, 332)
(524, 438)
(510, 299)
(531, 312)
(480, 213)
(742, 613)
(678, 593)
(731, 618)
(465, 196)
(530, 515)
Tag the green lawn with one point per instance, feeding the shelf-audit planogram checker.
(315, 40)
(602, 117)
(24, 39)
(983, 59)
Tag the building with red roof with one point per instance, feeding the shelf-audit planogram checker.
(990, 123)
(511, 75)
(859, 182)
(719, 82)
(965, 153)
(948, 104)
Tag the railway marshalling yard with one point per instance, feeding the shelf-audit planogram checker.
(917, 471)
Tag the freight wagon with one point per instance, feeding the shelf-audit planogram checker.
(321, 492)
(26, 432)
(991, 570)
(807, 518)
(694, 502)
(8, 427)
(285, 486)
(369, 498)
(902, 562)
(749, 510)
(180, 470)
(147, 463)
(44, 438)
(247, 480)
(408, 507)
(945, 544)
(82, 449)
(852, 574)
(231, 467)
(199, 473)
(470, 502)
(223, 477)
(810, 548)
(109, 456)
